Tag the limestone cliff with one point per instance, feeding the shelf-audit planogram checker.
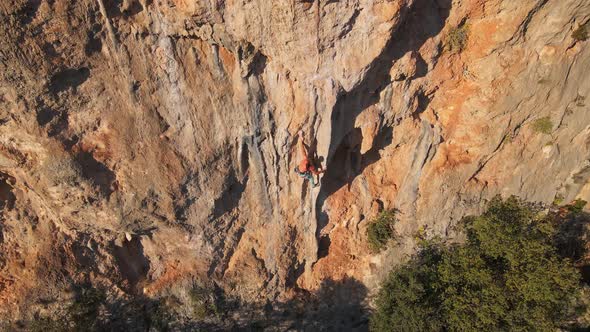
(145, 144)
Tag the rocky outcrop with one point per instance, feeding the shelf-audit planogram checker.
(147, 143)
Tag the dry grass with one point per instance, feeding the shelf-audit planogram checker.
(62, 169)
(543, 125)
(581, 33)
(457, 39)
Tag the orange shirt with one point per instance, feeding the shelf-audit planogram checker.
(306, 166)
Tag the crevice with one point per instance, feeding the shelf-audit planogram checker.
(110, 30)
(231, 195)
(350, 24)
(491, 155)
(252, 61)
(581, 177)
(231, 245)
(28, 12)
(68, 78)
(93, 42)
(58, 125)
(7, 197)
(186, 199)
(422, 21)
(423, 102)
(256, 100)
(45, 115)
(324, 246)
(524, 26)
(296, 268)
(132, 263)
(100, 175)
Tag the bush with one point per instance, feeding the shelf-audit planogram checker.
(90, 311)
(581, 33)
(83, 314)
(62, 169)
(577, 206)
(543, 125)
(558, 200)
(457, 39)
(46, 324)
(506, 277)
(159, 316)
(381, 230)
(204, 302)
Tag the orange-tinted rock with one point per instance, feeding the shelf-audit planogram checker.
(176, 122)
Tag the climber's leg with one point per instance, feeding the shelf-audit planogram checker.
(309, 176)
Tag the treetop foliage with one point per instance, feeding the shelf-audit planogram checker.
(507, 276)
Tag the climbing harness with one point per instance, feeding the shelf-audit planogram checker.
(306, 175)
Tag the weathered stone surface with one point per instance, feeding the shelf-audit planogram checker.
(147, 143)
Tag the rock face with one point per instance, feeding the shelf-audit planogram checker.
(146, 143)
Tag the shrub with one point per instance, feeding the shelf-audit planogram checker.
(203, 302)
(90, 311)
(558, 200)
(457, 39)
(84, 311)
(581, 33)
(506, 277)
(543, 125)
(62, 169)
(83, 314)
(46, 324)
(577, 206)
(381, 230)
(159, 316)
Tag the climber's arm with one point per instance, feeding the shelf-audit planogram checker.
(301, 147)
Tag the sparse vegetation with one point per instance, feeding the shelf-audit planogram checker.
(46, 324)
(581, 33)
(577, 206)
(381, 230)
(159, 316)
(84, 311)
(508, 276)
(90, 311)
(543, 125)
(420, 234)
(62, 169)
(457, 39)
(83, 314)
(203, 302)
(558, 199)
(580, 101)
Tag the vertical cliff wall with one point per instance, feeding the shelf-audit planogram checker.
(146, 143)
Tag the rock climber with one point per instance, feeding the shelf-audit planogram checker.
(306, 168)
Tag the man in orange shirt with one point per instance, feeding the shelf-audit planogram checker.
(306, 168)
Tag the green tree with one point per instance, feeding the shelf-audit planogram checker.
(506, 276)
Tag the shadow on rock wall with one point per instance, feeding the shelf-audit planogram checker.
(424, 20)
(335, 306)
